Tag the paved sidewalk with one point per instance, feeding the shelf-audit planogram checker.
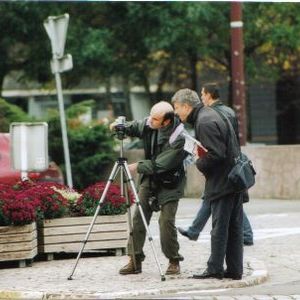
(98, 278)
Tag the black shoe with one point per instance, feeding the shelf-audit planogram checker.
(248, 243)
(232, 276)
(207, 275)
(185, 233)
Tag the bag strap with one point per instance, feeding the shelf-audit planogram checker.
(234, 143)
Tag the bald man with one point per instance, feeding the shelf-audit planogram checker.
(161, 184)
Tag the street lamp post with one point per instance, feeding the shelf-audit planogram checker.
(237, 69)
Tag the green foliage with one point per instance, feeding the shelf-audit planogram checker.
(272, 46)
(153, 42)
(80, 108)
(91, 146)
(11, 113)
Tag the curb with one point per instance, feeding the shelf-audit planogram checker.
(256, 269)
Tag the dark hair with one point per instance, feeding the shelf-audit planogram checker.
(212, 89)
(169, 116)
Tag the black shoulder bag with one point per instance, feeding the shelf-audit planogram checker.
(242, 174)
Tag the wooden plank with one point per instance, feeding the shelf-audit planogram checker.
(83, 220)
(83, 229)
(12, 247)
(90, 245)
(17, 229)
(67, 234)
(14, 238)
(29, 254)
(80, 237)
(18, 242)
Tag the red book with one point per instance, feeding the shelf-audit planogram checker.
(193, 146)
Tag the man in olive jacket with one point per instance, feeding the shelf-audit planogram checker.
(161, 159)
(226, 205)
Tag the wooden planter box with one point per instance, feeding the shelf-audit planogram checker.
(18, 243)
(67, 234)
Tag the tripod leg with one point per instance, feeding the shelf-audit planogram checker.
(137, 201)
(131, 241)
(110, 180)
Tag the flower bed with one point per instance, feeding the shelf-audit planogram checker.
(64, 216)
(109, 231)
(21, 205)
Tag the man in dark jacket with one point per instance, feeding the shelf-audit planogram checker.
(226, 205)
(161, 159)
(210, 97)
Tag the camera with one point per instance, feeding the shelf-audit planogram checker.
(120, 127)
(153, 203)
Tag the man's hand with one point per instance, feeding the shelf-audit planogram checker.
(133, 168)
(112, 126)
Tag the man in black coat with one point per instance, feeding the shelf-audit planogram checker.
(210, 97)
(226, 205)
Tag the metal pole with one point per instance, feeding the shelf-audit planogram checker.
(63, 126)
(237, 69)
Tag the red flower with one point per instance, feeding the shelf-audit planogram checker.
(29, 201)
(113, 204)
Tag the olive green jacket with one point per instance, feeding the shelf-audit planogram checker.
(166, 157)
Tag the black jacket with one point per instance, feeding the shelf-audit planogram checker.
(220, 107)
(212, 132)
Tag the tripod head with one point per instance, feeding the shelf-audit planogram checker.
(120, 133)
(120, 127)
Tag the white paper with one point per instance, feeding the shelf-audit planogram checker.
(189, 146)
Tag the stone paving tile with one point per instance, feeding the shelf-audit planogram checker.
(263, 297)
(235, 297)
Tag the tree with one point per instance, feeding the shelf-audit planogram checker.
(271, 38)
(11, 113)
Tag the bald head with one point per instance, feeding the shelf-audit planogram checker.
(161, 108)
(161, 114)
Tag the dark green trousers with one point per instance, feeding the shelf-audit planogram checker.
(168, 232)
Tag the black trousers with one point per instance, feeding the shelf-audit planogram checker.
(227, 235)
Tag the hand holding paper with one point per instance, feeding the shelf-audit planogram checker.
(193, 146)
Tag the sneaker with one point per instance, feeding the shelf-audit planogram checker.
(173, 268)
(185, 233)
(130, 269)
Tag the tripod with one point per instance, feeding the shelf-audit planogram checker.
(122, 167)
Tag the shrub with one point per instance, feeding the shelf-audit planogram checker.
(11, 113)
(114, 203)
(91, 147)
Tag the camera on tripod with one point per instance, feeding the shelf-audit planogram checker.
(120, 127)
